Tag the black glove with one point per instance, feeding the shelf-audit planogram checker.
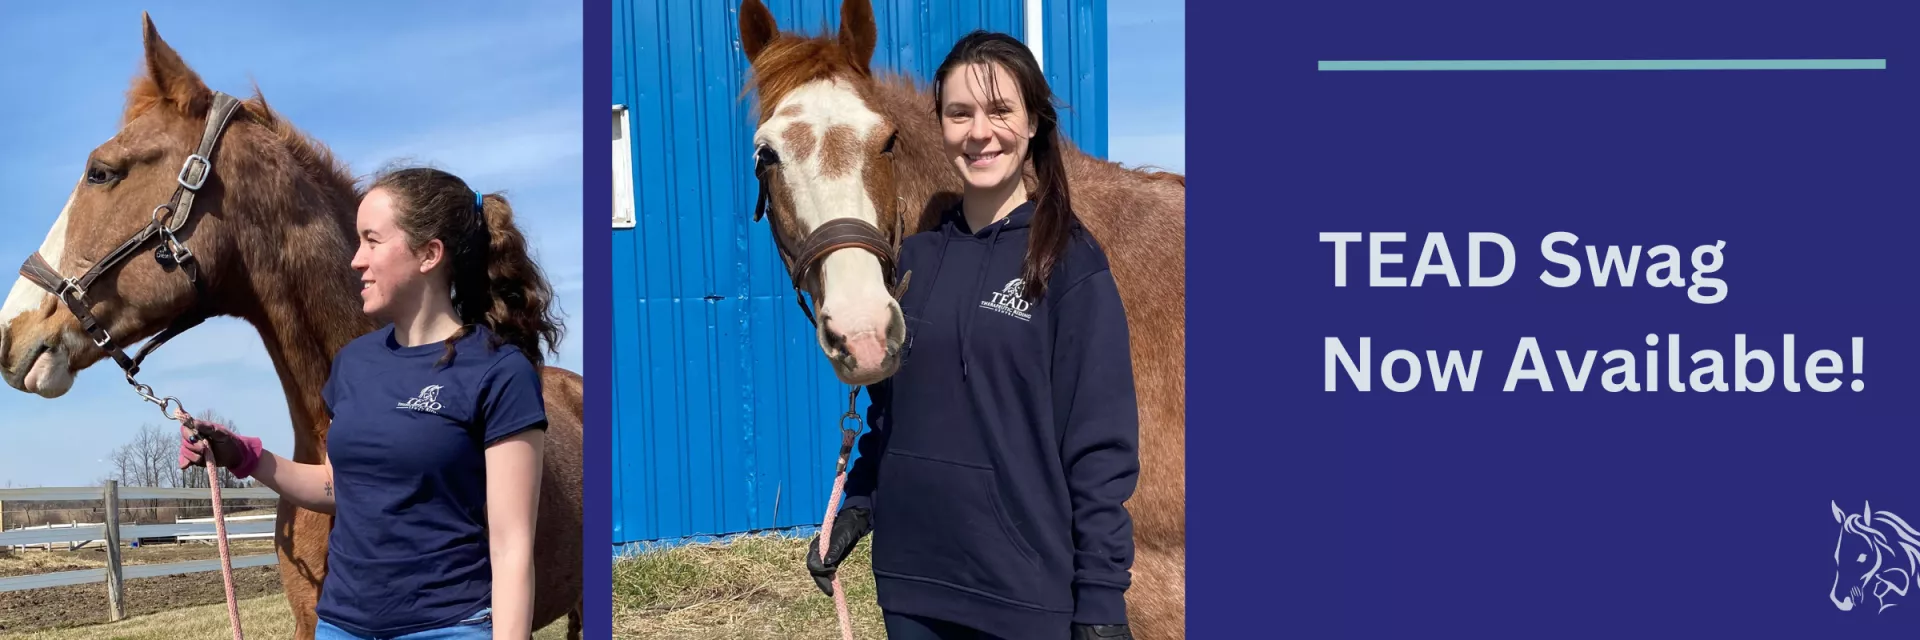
(849, 526)
(1101, 632)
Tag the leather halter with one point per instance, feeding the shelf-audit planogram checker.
(172, 252)
(833, 235)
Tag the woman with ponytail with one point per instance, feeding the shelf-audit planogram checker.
(434, 450)
(1003, 452)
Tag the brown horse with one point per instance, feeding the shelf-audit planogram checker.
(273, 232)
(828, 117)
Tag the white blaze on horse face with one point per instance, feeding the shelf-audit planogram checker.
(825, 179)
(47, 375)
(27, 296)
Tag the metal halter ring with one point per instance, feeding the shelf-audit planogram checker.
(851, 414)
(182, 406)
(180, 251)
(156, 213)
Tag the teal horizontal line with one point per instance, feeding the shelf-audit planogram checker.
(1602, 65)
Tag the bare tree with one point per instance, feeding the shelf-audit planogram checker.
(123, 462)
(158, 450)
(148, 460)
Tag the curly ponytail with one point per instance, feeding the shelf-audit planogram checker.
(518, 307)
(494, 279)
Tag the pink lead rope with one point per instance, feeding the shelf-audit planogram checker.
(219, 532)
(833, 505)
(226, 556)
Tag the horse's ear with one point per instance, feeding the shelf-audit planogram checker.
(1838, 515)
(757, 28)
(858, 33)
(173, 82)
(1866, 512)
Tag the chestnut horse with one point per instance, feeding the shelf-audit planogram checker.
(840, 141)
(273, 233)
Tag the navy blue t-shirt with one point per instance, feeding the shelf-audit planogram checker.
(408, 443)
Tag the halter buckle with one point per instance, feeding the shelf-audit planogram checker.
(70, 284)
(187, 168)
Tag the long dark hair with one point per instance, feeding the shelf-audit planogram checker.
(1053, 205)
(495, 281)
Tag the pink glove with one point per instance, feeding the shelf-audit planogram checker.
(236, 452)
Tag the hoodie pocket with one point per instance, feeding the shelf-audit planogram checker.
(944, 521)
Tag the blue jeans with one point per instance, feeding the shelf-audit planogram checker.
(478, 627)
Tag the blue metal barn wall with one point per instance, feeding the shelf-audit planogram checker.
(724, 410)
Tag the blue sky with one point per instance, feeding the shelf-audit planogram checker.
(488, 90)
(1147, 83)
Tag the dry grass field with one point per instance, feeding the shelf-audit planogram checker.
(750, 587)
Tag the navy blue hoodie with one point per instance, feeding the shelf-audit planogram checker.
(1003, 450)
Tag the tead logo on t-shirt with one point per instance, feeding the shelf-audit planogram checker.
(428, 400)
(1008, 301)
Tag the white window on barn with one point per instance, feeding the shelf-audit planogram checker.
(623, 204)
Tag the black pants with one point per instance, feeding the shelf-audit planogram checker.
(906, 627)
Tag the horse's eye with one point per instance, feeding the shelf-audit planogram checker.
(890, 140)
(98, 173)
(766, 156)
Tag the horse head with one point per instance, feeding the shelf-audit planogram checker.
(129, 182)
(1869, 559)
(823, 153)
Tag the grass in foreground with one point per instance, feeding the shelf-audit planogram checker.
(265, 617)
(751, 587)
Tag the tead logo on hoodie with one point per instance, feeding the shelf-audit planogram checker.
(1008, 301)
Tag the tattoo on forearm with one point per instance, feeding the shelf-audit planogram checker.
(329, 488)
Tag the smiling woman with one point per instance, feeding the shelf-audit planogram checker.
(960, 250)
(433, 476)
(455, 474)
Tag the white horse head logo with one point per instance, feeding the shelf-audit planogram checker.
(428, 400)
(1888, 564)
(1013, 287)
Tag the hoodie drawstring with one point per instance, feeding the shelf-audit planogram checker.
(966, 321)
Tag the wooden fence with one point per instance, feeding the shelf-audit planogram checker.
(113, 532)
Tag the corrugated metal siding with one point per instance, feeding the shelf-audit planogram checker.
(724, 411)
(1074, 35)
